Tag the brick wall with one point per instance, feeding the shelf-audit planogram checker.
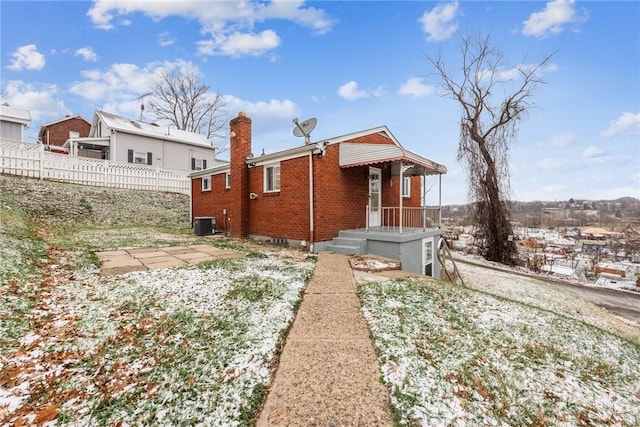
(340, 195)
(285, 213)
(240, 148)
(58, 133)
(393, 193)
(213, 202)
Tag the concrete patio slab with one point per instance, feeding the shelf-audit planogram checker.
(194, 257)
(171, 263)
(141, 259)
(157, 259)
(173, 249)
(149, 254)
(178, 251)
(111, 254)
(121, 262)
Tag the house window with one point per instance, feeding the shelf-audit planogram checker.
(198, 164)
(206, 183)
(272, 178)
(227, 180)
(140, 157)
(406, 186)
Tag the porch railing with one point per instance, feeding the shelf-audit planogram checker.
(405, 219)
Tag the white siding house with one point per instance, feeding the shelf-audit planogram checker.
(126, 140)
(13, 122)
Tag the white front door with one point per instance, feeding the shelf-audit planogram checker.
(375, 197)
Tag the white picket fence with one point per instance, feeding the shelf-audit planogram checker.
(34, 161)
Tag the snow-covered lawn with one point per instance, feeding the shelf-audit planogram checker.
(458, 356)
(184, 346)
(187, 346)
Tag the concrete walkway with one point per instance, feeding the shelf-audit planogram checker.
(142, 259)
(328, 373)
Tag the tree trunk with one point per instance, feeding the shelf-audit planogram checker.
(492, 214)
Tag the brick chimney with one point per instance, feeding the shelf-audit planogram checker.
(240, 148)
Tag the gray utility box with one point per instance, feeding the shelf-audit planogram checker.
(204, 225)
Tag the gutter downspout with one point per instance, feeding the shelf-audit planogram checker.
(311, 213)
(191, 203)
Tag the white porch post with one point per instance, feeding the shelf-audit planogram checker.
(439, 200)
(401, 182)
(424, 200)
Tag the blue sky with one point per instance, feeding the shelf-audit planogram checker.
(353, 65)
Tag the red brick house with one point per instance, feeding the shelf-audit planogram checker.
(311, 195)
(54, 134)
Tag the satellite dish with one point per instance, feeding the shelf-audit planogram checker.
(305, 128)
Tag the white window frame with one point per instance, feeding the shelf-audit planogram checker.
(227, 180)
(206, 183)
(274, 181)
(405, 186)
(198, 164)
(140, 157)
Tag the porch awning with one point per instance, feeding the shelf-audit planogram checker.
(353, 154)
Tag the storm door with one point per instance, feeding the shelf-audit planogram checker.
(375, 197)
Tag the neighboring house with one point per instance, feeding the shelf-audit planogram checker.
(13, 122)
(122, 139)
(54, 134)
(341, 194)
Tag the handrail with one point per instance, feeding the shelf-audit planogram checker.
(443, 254)
(409, 218)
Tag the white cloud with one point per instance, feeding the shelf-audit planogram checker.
(415, 86)
(166, 39)
(349, 91)
(626, 123)
(229, 24)
(552, 19)
(438, 24)
(272, 109)
(552, 163)
(27, 58)
(117, 88)
(592, 151)
(39, 100)
(238, 44)
(310, 17)
(563, 139)
(516, 72)
(87, 54)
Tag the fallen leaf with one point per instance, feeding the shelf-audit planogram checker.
(47, 414)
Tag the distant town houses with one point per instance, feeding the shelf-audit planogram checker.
(115, 138)
(13, 122)
(589, 255)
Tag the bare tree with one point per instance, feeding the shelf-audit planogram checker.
(179, 97)
(493, 100)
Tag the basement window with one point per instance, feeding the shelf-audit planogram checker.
(272, 178)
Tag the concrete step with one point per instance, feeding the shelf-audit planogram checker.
(342, 249)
